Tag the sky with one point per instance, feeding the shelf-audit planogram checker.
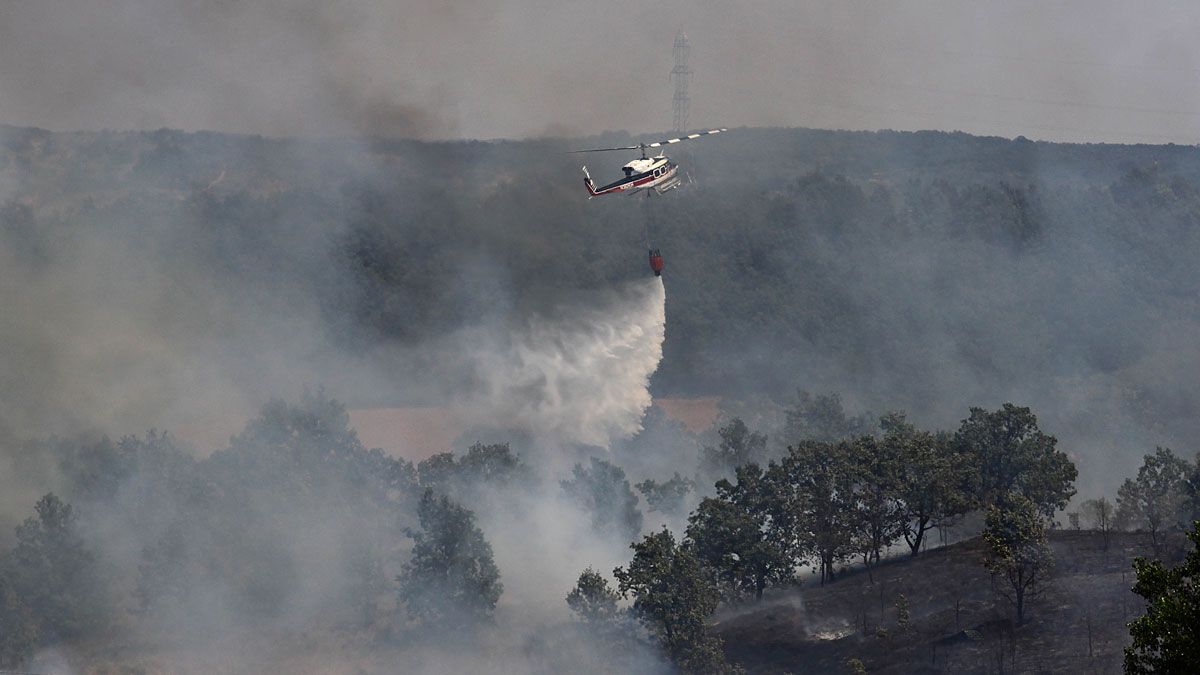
(1072, 70)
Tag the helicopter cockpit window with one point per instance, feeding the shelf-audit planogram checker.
(628, 170)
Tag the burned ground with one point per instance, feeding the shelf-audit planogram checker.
(958, 622)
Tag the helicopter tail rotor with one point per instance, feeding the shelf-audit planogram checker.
(587, 182)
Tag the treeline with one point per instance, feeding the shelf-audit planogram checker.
(233, 535)
(1163, 496)
(823, 504)
(297, 518)
(827, 503)
(294, 520)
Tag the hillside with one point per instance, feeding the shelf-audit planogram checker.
(923, 271)
(958, 623)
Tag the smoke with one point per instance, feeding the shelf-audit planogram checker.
(427, 70)
(581, 378)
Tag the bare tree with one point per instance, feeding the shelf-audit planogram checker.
(1101, 513)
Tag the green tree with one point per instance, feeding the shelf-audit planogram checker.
(295, 470)
(813, 499)
(739, 445)
(1013, 455)
(492, 464)
(1102, 515)
(602, 491)
(667, 497)
(877, 506)
(1017, 551)
(932, 478)
(592, 599)
(822, 417)
(452, 579)
(484, 465)
(305, 452)
(734, 535)
(54, 573)
(673, 599)
(1166, 639)
(1155, 498)
(437, 471)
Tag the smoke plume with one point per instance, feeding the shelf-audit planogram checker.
(581, 378)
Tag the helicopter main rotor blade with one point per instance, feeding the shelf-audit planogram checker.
(627, 147)
(656, 144)
(684, 138)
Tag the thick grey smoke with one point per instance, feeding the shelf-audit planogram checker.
(1067, 71)
(577, 376)
(580, 379)
(125, 324)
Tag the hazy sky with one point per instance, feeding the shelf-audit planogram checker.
(1070, 70)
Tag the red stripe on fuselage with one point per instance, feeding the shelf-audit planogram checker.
(629, 183)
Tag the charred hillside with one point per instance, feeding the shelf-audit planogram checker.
(957, 622)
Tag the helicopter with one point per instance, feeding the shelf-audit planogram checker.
(656, 173)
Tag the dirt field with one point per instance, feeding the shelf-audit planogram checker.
(417, 433)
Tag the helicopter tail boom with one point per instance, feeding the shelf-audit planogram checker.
(587, 182)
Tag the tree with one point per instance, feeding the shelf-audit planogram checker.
(452, 579)
(877, 507)
(163, 573)
(1013, 455)
(437, 471)
(1155, 498)
(822, 418)
(603, 492)
(1166, 639)
(932, 478)
(18, 632)
(365, 580)
(494, 465)
(295, 471)
(666, 497)
(673, 599)
(734, 536)
(1015, 536)
(55, 575)
(94, 471)
(739, 445)
(1101, 513)
(812, 499)
(1191, 489)
(592, 599)
(304, 452)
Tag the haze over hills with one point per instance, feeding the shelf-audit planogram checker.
(163, 280)
(300, 372)
(188, 272)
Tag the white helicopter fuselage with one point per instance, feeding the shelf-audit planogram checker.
(647, 173)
